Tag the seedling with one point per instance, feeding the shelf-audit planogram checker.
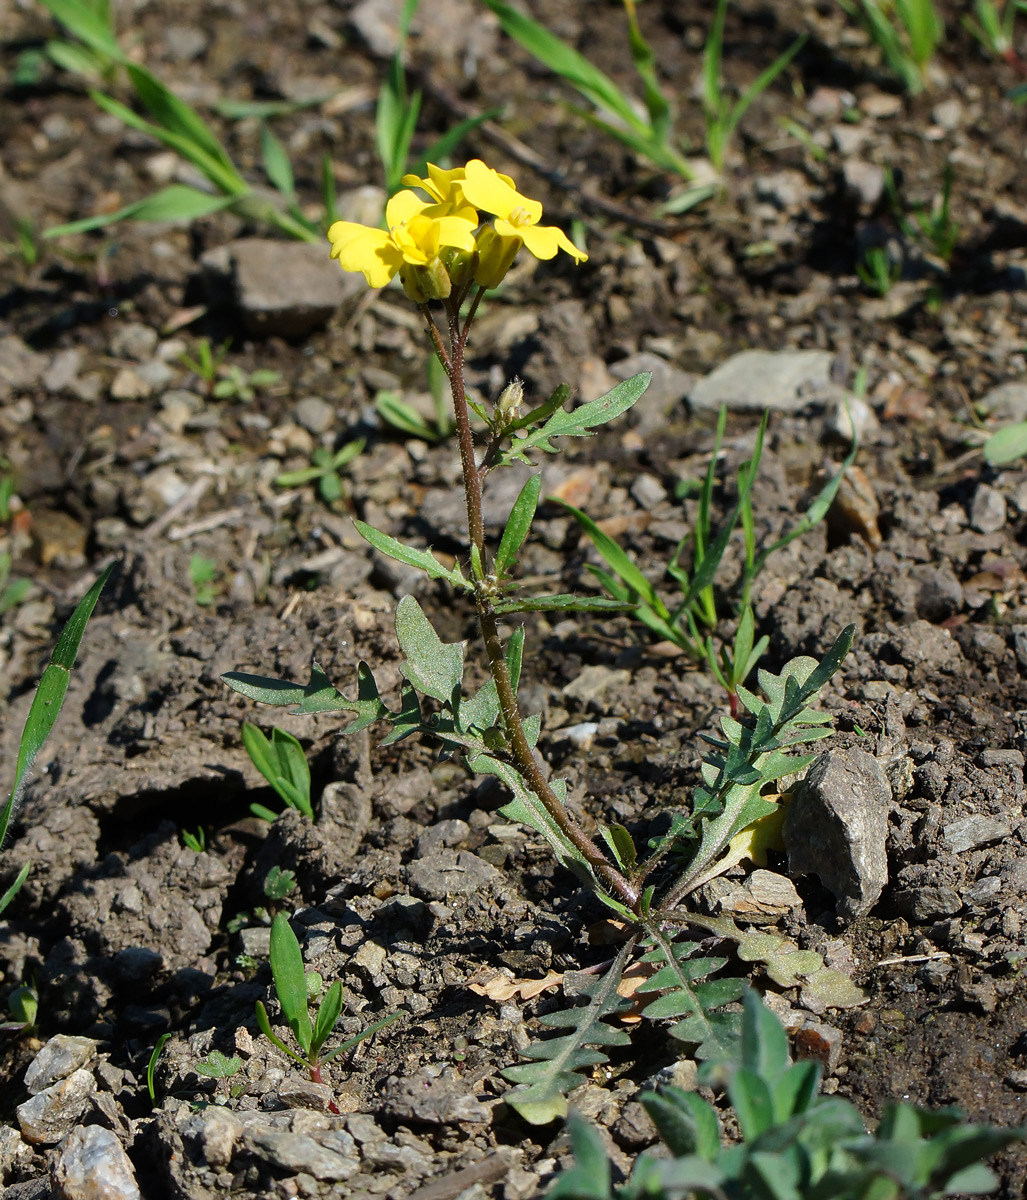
(878, 270)
(236, 384)
(908, 33)
(12, 591)
(993, 28)
(932, 227)
(279, 884)
(195, 841)
(326, 467)
(283, 764)
(43, 713)
(794, 1142)
(26, 245)
(203, 573)
(207, 363)
(23, 1007)
(151, 1066)
(723, 116)
(292, 987)
(693, 623)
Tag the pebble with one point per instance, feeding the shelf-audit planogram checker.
(165, 485)
(330, 1157)
(837, 827)
(450, 831)
(177, 408)
(62, 1054)
(255, 941)
(849, 139)
(648, 492)
(297, 1092)
(940, 595)
(595, 681)
(864, 181)
(129, 385)
(52, 1113)
(851, 419)
(816, 1040)
(91, 1164)
(582, 735)
(314, 414)
(948, 114)
(184, 42)
(881, 104)
(988, 509)
(434, 1095)
(783, 380)
(969, 833)
(1006, 402)
(451, 873)
(58, 538)
(20, 367)
(134, 341)
(218, 1131)
(345, 810)
(63, 370)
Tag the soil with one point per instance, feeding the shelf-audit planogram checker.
(117, 450)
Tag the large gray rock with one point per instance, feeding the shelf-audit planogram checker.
(91, 1164)
(784, 380)
(837, 826)
(282, 289)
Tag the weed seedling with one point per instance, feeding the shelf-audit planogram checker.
(933, 228)
(993, 28)
(151, 1066)
(23, 1009)
(907, 32)
(878, 270)
(325, 470)
(207, 362)
(195, 841)
(293, 987)
(236, 384)
(283, 764)
(43, 713)
(203, 573)
(12, 591)
(220, 1067)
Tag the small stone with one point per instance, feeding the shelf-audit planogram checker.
(62, 1054)
(13, 1151)
(184, 42)
(134, 341)
(595, 681)
(928, 903)
(369, 957)
(451, 873)
(849, 139)
(970, 833)
(837, 827)
(296, 1092)
(435, 1098)
(1007, 402)
(255, 941)
(881, 104)
(988, 510)
(864, 182)
(177, 408)
(855, 508)
(346, 812)
(582, 735)
(329, 1156)
(58, 538)
(753, 380)
(55, 1111)
(852, 419)
(91, 1164)
(219, 1130)
(314, 414)
(129, 385)
(165, 486)
(20, 367)
(647, 491)
(940, 595)
(450, 831)
(1017, 1079)
(995, 757)
(62, 371)
(816, 1040)
(948, 114)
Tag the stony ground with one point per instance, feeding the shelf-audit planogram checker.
(412, 888)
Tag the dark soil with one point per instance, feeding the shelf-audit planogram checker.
(117, 451)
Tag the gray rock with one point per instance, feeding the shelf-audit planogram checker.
(852, 418)
(284, 289)
(255, 941)
(435, 1096)
(968, 833)
(667, 388)
(948, 114)
(1006, 402)
(20, 367)
(647, 491)
(450, 831)
(91, 1164)
(940, 595)
(837, 825)
(184, 42)
(595, 681)
(864, 181)
(55, 1111)
(63, 370)
(217, 1130)
(13, 1151)
(314, 414)
(377, 23)
(346, 810)
(331, 1155)
(134, 341)
(785, 380)
(987, 510)
(928, 903)
(451, 873)
(297, 1092)
(61, 1055)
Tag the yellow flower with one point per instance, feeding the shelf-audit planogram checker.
(416, 231)
(516, 217)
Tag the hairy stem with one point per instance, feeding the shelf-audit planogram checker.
(520, 748)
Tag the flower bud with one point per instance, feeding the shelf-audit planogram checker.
(496, 254)
(430, 282)
(509, 403)
(460, 265)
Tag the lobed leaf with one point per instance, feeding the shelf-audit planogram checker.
(433, 666)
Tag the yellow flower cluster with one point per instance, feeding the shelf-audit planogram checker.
(437, 242)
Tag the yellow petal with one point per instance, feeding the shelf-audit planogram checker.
(489, 190)
(402, 207)
(544, 240)
(369, 251)
(457, 230)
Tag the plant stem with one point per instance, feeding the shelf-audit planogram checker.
(520, 748)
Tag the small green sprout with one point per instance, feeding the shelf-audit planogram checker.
(203, 572)
(151, 1066)
(217, 1066)
(12, 591)
(907, 32)
(283, 764)
(932, 227)
(878, 270)
(279, 884)
(207, 363)
(293, 992)
(325, 468)
(195, 841)
(993, 27)
(23, 1006)
(236, 384)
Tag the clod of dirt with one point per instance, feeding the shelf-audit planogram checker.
(837, 826)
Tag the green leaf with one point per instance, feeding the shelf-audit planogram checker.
(49, 698)
(173, 114)
(88, 25)
(290, 980)
(518, 525)
(589, 1178)
(277, 167)
(1006, 444)
(563, 603)
(424, 559)
(403, 417)
(432, 666)
(370, 1031)
(265, 1028)
(218, 1065)
(617, 559)
(327, 1015)
(557, 399)
(20, 878)
(622, 845)
(318, 696)
(687, 1124)
(582, 420)
(177, 202)
(151, 1066)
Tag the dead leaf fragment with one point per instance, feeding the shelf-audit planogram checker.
(500, 984)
